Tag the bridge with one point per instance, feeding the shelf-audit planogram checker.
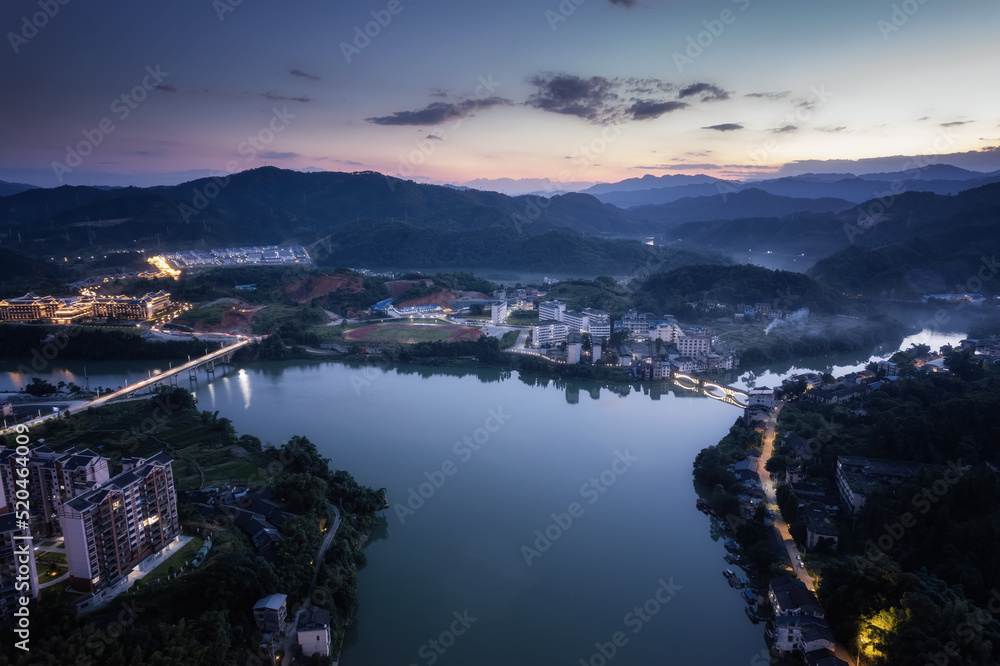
(223, 355)
(720, 392)
(208, 361)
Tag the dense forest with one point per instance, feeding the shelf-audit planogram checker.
(918, 569)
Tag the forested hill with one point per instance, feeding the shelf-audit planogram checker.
(923, 243)
(364, 219)
(730, 285)
(270, 205)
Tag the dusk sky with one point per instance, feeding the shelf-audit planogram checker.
(451, 91)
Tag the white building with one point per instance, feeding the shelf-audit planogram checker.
(598, 323)
(498, 312)
(313, 632)
(573, 352)
(762, 395)
(693, 345)
(551, 310)
(575, 321)
(546, 333)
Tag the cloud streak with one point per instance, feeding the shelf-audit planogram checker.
(437, 113)
(304, 75)
(602, 100)
(725, 127)
(708, 92)
(275, 97)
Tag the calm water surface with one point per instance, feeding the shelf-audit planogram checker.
(475, 465)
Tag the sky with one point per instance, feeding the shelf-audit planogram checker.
(572, 91)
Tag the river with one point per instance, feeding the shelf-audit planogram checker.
(534, 521)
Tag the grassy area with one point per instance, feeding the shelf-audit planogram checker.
(273, 316)
(328, 333)
(50, 558)
(206, 315)
(203, 449)
(175, 561)
(523, 318)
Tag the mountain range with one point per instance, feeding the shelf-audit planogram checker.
(889, 245)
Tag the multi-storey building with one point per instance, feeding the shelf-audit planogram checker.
(551, 310)
(29, 308)
(575, 321)
(48, 309)
(641, 326)
(545, 333)
(598, 323)
(18, 575)
(498, 312)
(693, 345)
(112, 529)
(54, 479)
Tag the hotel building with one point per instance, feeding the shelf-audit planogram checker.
(51, 310)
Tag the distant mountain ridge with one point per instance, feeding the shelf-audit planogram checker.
(7, 189)
(748, 203)
(936, 178)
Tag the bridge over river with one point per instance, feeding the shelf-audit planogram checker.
(208, 361)
(707, 387)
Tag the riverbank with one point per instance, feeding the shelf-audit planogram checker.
(213, 601)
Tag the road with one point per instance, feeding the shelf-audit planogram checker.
(290, 631)
(772, 501)
(147, 383)
(779, 523)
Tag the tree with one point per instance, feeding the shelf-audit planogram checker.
(39, 387)
(776, 463)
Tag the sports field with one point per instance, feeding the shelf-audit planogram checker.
(409, 333)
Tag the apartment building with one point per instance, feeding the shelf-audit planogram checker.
(549, 332)
(498, 312)
(113, 528)
(551, 311)
(54, 479)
